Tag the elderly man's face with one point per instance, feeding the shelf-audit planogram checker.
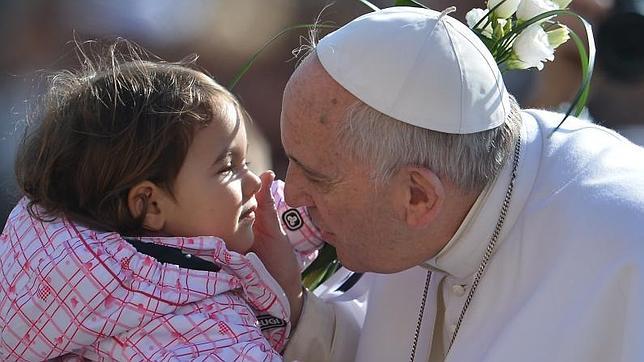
(357, 217)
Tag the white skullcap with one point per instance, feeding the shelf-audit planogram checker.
(418, 67)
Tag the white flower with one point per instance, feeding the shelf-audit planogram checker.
(528, 9)
(532, 48)
(506, 9)
(474, 16)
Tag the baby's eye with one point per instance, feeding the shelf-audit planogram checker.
(231, 168)
(226, 169)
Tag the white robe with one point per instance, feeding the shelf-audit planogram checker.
(566, 281)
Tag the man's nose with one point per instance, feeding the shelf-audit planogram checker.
(295, 194)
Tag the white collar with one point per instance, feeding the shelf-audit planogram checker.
(462, 255)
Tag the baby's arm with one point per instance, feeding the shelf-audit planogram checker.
(275, 249)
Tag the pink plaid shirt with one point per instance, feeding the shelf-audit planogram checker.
(69, 291)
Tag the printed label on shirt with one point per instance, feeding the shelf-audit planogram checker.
(292, 219)
(267, 321)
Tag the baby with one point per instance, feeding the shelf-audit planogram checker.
(132, 241)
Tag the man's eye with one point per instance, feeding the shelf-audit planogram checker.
(322, 184)
(315, 178)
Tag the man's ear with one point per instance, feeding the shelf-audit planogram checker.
(423, 196)
(147, 198)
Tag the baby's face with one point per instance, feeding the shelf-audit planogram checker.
(214, 190)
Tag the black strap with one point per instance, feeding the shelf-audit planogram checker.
(170, 255)
(350, 282)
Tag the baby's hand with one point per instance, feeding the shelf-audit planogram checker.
(273, 248)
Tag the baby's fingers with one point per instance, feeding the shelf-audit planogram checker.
(264, 196)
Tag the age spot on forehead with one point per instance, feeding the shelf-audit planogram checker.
(323, 117)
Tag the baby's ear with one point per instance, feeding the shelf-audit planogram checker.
(147, 198)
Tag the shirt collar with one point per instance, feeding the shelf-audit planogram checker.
(462, 255)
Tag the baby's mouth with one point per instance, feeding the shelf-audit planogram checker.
(248, 214)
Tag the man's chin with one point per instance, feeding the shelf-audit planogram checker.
(352, 264)
(364, 266)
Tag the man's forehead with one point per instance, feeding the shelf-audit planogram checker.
(314, 87)
(314, 104)
(307, 135)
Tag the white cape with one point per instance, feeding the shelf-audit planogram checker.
(566, 282)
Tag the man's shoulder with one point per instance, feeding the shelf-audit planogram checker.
(556, 132)
(589, 178)
(582, 155)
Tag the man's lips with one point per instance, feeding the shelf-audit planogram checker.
(315, 217)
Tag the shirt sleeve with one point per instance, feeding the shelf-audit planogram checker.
(220, 336)
(305, 237)
(326, 332)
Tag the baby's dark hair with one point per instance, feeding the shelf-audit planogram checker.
(118, 121)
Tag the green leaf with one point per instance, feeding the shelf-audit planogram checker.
(370, 5)
(411, 3)
(313, 280)
(489, 43)
(321, 269)
(587, 66)
(508, 25)
(333, 267)
(503, 49)
(249, 63)
(497, 30)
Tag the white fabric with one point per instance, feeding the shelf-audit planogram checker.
(330, 331)
(566, 282)
(409, 64)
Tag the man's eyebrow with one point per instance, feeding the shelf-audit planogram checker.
(306, 169)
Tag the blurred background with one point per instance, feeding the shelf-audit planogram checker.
(224, 33)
